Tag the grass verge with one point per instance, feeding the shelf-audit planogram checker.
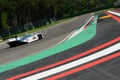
(40, 28)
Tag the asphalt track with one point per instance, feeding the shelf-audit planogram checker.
(53, 35)
(107, 30)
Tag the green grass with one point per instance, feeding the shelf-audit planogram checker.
(53, 23)
(57, 22)
(49, 25)
(1, 40)
(41, 28)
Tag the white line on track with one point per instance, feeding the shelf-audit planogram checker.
(78, 62)
(43, 49)
(115, 13)
(66, 38)
(81, 29)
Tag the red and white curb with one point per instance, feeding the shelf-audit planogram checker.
(76, 32)
(114, 13)
(86, 66)
(97, 55)
(75, 63)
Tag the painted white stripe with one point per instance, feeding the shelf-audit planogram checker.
(115, 13)
(81, 29)
(78, 62)
(70, 35)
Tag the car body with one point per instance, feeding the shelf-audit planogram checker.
(28, 38)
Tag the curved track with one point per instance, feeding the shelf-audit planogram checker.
(108, 30)
(53, 35)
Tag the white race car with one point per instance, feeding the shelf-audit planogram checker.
(28, 38)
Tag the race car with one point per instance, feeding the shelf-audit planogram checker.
(28, 38)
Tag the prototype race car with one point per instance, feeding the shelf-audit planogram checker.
(28, 38)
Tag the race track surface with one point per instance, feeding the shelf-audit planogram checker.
(52, 36)
(104, 68)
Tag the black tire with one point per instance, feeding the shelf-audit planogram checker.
(40, 36)
(13, 44)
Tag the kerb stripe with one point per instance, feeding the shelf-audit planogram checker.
(114, 17)
(66, 60)
(86, 66)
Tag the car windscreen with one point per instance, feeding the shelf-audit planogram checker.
(25, 37)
